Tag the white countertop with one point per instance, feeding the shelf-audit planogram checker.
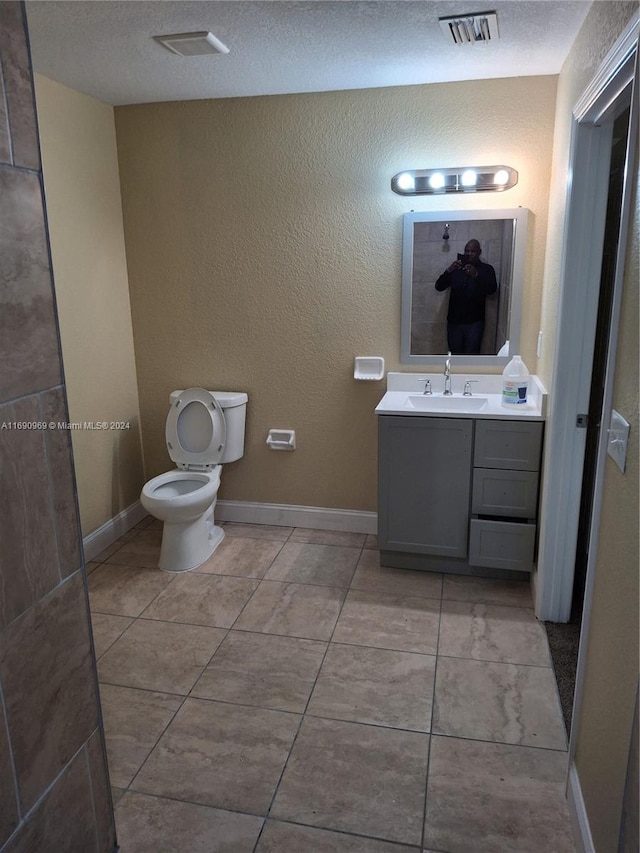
(405, 397)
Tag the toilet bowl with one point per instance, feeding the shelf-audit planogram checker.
(204, 429)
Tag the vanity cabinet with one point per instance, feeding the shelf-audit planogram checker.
(424, 484)
(458, 494)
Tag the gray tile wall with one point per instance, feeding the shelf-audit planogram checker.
(54, 787)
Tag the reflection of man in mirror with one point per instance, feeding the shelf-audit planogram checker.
(470, 282)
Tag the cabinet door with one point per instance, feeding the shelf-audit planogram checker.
(424, 484)
(508, 444)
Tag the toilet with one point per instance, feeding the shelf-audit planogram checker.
(204, 430)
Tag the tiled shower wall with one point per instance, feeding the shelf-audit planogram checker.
(54, 789)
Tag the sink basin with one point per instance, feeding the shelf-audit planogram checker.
(431, 403)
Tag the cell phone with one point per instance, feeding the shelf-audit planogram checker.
(464, 259)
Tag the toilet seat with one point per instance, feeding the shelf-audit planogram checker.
(195, 431)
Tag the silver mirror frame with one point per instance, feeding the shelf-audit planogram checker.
(519, 216)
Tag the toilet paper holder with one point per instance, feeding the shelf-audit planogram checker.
(281, 439)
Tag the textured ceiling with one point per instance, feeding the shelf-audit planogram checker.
(105, 48)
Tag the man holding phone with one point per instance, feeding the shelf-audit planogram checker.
(470, 282)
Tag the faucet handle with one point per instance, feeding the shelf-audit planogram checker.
(467, 387)
(427, 387)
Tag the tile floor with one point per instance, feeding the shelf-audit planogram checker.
(291, 696)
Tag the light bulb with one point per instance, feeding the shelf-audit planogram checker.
(436, 181)
(469, 178)
(501, 177)
(406, 181)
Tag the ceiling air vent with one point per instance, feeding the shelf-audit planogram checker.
(467, 29)
(192, 44)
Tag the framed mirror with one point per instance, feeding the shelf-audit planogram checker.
(456, 299)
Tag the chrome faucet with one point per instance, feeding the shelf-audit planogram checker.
(427, 387)
(447, 376)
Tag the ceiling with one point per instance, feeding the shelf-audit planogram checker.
(105, 48)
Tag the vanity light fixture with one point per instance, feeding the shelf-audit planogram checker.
(465, 179)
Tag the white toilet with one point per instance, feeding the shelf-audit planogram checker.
(204, 430)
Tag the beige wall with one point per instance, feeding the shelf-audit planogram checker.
(603, 24)
(264, 252)
(77, 137)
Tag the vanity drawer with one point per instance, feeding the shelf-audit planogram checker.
(501, 545)
(506, 493)
(508, 444)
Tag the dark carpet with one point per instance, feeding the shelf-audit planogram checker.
(564, 639)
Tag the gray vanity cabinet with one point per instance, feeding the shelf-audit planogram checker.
(424, 484)
(458, 494)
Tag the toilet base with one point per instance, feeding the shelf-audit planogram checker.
(187, 545)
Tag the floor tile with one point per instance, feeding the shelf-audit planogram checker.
(502, 702)
(116, 794)
(355, 778)
(389, 622)
(376, 686)
(370, 576)
(106, 630)
(202, 600)
(242, 557)
(279, 837)
(263, 670)
(213, 753)
(490, 797)
(124, 590)
(328, 537)
(371, 541)
(115, 546)
(327, 565)
(154, 825)
(296, 610)
(487, 590)
(492, 632)
(159, 656)
(258, 531)
(143, 551)
(133, 722)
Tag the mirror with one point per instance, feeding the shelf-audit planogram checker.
(430, 317)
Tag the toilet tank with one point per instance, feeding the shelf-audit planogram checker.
(234, 407)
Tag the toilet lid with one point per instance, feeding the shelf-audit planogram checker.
(195, 430)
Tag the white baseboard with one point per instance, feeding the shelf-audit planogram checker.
(578, 812)
(286, 515)
(113, 529)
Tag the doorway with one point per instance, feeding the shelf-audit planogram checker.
(564, 637)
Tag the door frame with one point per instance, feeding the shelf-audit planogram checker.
(590, 150)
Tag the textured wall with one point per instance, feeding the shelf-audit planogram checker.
(264, 253)
(54, 791)
(82, 188)
(603, 24)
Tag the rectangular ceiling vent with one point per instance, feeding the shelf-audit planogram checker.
(468, 29)
(192, 44)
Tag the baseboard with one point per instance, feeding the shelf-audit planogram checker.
(286, 515)
(111, 530)
(578, 812)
